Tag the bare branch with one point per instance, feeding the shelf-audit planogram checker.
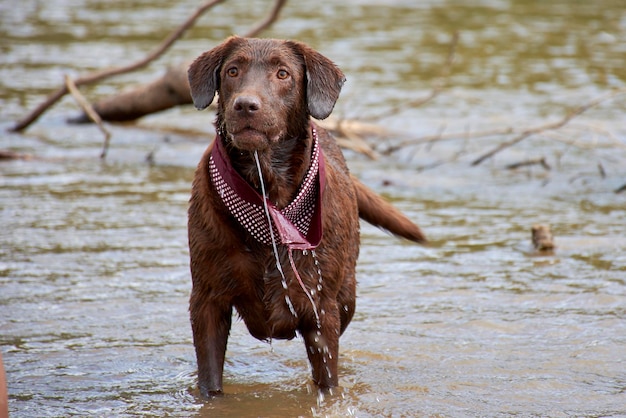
(88, 109)
(445, 137)
(549, 126)
(100, 75)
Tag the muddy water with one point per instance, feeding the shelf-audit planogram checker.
(94, 275)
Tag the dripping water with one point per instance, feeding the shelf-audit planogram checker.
(275, 251)
(322, 350)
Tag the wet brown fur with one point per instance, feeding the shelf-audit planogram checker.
(267, 91)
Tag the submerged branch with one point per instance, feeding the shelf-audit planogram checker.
(547, 127)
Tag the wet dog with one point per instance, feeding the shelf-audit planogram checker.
(274, 213)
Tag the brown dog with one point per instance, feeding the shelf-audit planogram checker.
(270, 165)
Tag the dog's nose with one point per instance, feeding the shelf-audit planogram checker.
(247, 104)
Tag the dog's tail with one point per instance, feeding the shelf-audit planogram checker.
(378, 212)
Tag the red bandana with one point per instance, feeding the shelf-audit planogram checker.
(297, 226)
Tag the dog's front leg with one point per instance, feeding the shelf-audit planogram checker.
(210, 323)
(322, 347)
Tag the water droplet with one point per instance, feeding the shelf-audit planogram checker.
(319, 287)
(305, 252)
(320, 398)
(290, 305)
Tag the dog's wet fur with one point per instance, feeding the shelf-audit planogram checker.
(268, 90)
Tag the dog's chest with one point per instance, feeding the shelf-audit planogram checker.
(287, 278)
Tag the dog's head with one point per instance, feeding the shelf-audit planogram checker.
(267, 88)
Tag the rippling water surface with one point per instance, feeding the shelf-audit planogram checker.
(94, 278)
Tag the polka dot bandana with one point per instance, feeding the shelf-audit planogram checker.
(298, 225)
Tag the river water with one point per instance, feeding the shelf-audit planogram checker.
(94, 278)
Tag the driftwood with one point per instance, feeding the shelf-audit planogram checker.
(170, 90)
(542, 238)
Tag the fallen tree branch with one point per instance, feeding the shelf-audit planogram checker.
(88, 109)
(547, 127)
(171, 89)
(100, 75)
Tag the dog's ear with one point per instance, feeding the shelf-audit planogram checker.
(324, 81)
(204, 73)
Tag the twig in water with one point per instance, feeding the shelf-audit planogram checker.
(89, 111)
(446, 137)
(11, 155)
(354, 142)
(100, 75)
(535, 161)
(547, 127)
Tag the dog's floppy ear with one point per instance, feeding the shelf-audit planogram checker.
(324, 81)
(204, 73)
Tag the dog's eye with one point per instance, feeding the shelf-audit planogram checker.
(232, 72)
(282, 74)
